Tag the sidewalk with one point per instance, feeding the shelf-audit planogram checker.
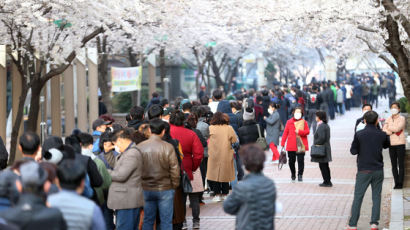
(306, 205)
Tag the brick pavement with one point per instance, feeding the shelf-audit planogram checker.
(306, 205)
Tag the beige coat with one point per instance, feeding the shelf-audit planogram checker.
(126, 188)
(394, 126)
(220, 161)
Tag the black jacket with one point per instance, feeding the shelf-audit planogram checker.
(3, 155)
(368, 145)
(248, 133)
(31, 213)
(134, 124)
(92, 170)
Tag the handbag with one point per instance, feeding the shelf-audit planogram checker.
(185, 181)
(282, 159)
(318, 151)
(261, 141)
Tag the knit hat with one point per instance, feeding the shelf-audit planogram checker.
(32, 174)
(248, 114)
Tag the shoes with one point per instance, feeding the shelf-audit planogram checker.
(350, 228)
(184, 225)
(217, 198)
(374, 227)
(326, 184)
(196, 225)
(201, 203)
(398, 186)
(293, 178)
(300, 178)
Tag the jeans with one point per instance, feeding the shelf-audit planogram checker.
(348, 104)
(363, 180)
(312, 119)
(128, 219)
(397, 157)
(164, 202)
(340, 108)
(194, 201)
(301, 162)
(108, 216)
(332, 109)
(219, 187)
(325, 170)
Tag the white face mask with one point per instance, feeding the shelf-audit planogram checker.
(394, 111)
(117, 149)
(270, 111)
(297, 116)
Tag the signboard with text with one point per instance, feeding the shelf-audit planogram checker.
(126, 79)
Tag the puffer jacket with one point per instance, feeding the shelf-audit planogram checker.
(253, 203)
(248, 133)
(160, 165)
(126, 189)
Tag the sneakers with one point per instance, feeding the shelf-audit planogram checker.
(350, 228)
(217, 199)
(195, 225)
(184, 225)
(374, 227)
(300, 178)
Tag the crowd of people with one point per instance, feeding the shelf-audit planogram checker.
(141, 175)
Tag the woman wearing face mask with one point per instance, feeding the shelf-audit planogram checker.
(273, 127)
(295, 135)
(394, 127)
(322, 137)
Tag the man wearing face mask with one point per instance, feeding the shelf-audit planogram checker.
(360, 122)
(394, 127)
(99, 126)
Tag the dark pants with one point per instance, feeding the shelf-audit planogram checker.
(219, 187)
(128, 219)
(325, 170)
(363, 180)
(332, 109)
(397, 155)
(348, 104)
(194, 201)
(204, 168)
(239, 168)
(340, 108)
(163, 201)
(108, 216)
(301, 162)
(312, 119)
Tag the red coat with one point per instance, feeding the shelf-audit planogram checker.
(192, 148)
(289, 134)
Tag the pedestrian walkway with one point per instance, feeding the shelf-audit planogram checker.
(308, 206)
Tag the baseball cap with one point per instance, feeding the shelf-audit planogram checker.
(100, 122)
(32, 174)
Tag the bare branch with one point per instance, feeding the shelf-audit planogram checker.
(367, 29)
(397, 15)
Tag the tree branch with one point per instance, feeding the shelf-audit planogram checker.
(367, 29)
(397, 15)
(381, 56)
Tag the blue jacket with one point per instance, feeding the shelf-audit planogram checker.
(96, 145)
(225, 107)
(253, 202)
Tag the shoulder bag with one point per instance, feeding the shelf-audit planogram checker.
(261, 141)
(318, 151)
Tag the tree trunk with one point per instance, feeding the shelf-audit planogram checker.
(162, 69)
(398, 51)
(102, 73)
(215, 70)
(17, 123)
(34, 106)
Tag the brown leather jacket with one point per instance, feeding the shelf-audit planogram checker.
(160, 165)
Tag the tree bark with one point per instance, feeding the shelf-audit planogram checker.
(17, 123)
(103, 73)
(215, 70)
(34, 106)
(162, 69)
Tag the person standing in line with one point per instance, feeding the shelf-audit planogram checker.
(253, 200)
(273, 126)
(322, 137)
(249, 132)
(349, 95)
(339, 100)
(394, 127)
(295, 137)
(125, 194)
(160, 177)
(368, 145)
(313, 105)
(221, 168)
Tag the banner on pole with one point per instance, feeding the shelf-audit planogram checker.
(126, 79)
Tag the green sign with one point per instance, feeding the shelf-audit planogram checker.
(62, 23)
(210, 44)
